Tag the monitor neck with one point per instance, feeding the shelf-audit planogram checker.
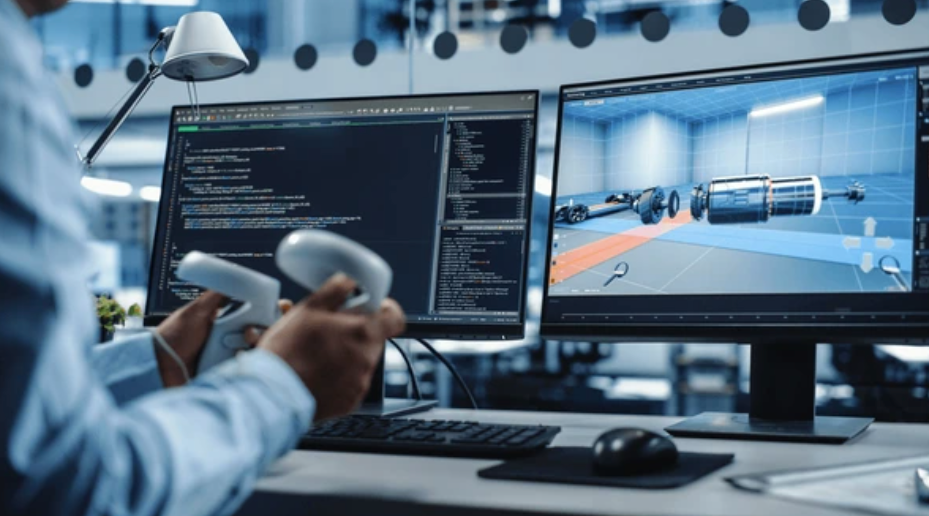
(783, 381)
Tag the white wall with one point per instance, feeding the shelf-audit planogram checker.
(646, 150)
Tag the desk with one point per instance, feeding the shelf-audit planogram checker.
(346, 484)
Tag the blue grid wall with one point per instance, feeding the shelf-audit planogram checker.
(865, 128)
(582, 167)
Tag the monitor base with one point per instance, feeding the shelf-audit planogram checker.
(721, 425)
(377, 404)
(783, 403)
(394, 407)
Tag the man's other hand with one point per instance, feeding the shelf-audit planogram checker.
(187, 331)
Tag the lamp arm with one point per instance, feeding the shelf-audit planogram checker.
(144, 85)
(164, 38)
(154, 72)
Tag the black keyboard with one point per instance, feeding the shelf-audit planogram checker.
(428, 437)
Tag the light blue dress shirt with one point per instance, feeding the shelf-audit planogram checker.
(85, 430)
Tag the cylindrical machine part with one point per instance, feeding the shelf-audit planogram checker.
(753, 199)
(796, 196)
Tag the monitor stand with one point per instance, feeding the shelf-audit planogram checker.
(783, 403)
(376, 405)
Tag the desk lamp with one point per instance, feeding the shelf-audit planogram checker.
(200, 48)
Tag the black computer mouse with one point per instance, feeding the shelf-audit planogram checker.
(632, 451)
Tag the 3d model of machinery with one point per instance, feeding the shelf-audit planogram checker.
(754, 199)
(649, 204)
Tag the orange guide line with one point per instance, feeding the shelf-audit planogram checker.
(578, 260)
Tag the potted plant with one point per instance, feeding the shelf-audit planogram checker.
(111, 314)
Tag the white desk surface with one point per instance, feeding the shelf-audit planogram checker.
(319, 483)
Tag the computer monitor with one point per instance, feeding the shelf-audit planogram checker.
(439, 185)
(781, 206)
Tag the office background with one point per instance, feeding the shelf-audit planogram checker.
(326, 48)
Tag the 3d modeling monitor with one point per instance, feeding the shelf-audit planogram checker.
(440, 186)
(720, 205)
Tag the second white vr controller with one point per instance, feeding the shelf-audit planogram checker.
(309, 257)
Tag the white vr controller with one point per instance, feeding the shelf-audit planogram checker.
(309, 257)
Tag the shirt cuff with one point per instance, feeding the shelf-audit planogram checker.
(277, 375)
(128, 367)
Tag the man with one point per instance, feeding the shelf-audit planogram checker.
(78, 439)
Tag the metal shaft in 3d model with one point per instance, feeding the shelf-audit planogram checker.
(755, 199)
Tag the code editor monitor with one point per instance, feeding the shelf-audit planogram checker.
(440, 186)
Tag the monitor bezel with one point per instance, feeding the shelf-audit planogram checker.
(469, 331)
(744, 326)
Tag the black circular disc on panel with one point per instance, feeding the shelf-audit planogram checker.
(734, 20)
(84, 75)
(899, 12)
(445, 45)
(135, 70)
(582, 33)
(253, 60)
(365, 52)
(513, 38)
(814, 14)
(656, 26)
(305, 57)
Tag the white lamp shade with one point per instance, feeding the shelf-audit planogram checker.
(203, 49)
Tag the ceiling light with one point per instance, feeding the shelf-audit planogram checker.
(788, 106)
(840, 10)
(150, 193)
(106, 186)
(543, 185)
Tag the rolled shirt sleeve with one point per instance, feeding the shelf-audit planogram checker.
(128, 367)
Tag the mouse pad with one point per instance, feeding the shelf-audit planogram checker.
(574, 465)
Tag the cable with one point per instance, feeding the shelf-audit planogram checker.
(171, 353)
(451, 369)
(409, 367)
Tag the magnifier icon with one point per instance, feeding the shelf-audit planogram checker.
(891, 267)
(621, 269)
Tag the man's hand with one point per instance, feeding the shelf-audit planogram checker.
(334, 353)
(186, 331)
